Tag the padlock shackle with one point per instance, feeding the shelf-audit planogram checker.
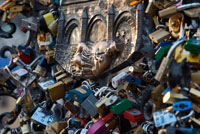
(174, 46)
(186, 6)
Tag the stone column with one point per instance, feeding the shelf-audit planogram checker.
(84, 25)
(111, 19)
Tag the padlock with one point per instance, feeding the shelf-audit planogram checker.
(46, 19)
(139, 130)
(197, 121)
(40, 71)
(89, 105)
(163, 117)
(98, 128)
(162, 69)
(157, 96)
(121, 106)
(193, 46)
(181, 54)
(196, 107)
(56, 74)
(133, 115)
(45, 2)
(175, 25)
(17, 8)
(30, 24)
(42, 116)
(118, 79)
(171, 98)
(163, 49)
(56, 91)
(61, 77)
(101, 107)
(49, 55)
(193, 12)
(111, 100)
(53, 27)
(168, 12)
(68, 105)
(56, 127)
(44, 84)
(194, 92)
(79, 94)
(195, 77)
(67, 82)
(151, 9)
(159, 35)
(26, 128)
(25, 54)
(182, 105)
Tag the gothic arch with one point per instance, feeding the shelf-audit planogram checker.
(96, 20)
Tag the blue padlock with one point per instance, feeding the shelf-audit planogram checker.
(133, 80)
(182, 105)
(79, 94)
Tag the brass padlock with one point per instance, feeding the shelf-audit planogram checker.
(195, 77)
(170, 98)
(67, 82)
(157, 96)
(57, 91)
(193, 12)
(195, 92)
(61, 77)
(159, 35)
(162, 69)
(151, 9)
(196, 107)
(101, 107)
(40, 71)
(58, 73)
(17, 8)
(168, 12)
(45, 2)
(50, 56)
(139, 130)
(175, 25)
(197, 121)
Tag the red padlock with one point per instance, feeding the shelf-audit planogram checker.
(23, 29)
(133, 115)
(25, 58)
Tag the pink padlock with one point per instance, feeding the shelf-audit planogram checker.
(98, 128)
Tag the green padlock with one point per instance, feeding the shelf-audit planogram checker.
(121, 106)
(162, 52)
(192, 45)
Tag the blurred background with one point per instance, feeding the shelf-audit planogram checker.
(7, 104)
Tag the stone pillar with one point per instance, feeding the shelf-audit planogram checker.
(61, 23)
(84, 25)
(111, 19)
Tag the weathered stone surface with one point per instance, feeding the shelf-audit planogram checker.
(96, 27)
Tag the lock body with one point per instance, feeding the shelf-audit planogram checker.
(89, 105)
(133, 115)
(79, 94)
(56, 91)
(121, 106)
(98, 128)
(159, 35)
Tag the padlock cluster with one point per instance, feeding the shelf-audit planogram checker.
(157, 94)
